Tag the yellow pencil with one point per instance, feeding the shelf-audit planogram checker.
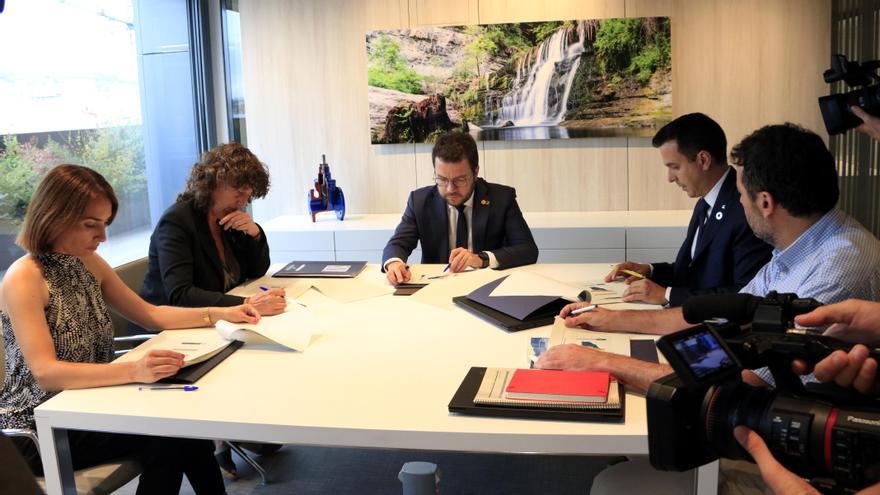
(634, 274)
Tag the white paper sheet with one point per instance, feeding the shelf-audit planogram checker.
(440, 293)
(195, 345)
(608, 342)
(352, 289)
(529, 284)
(293, 288)
(292, 329)
(425, 274)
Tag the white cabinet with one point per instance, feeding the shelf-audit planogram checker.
(568, 237)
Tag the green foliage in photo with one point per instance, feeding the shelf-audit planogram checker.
(387, 68)
(640, 46)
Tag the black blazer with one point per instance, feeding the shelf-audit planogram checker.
(727, 255)
(184, 267)
(498, 226)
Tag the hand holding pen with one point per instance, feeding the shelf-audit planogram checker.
(630, 270)
(460, 259)
(397, 272)
(270, 301)
(591, 317)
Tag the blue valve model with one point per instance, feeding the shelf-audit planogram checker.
(326, 196)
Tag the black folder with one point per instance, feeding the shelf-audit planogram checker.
(191, 374)
(463, 402)
(513, 313)
(539, 318)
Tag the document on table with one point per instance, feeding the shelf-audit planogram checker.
(608, 342)
(353, 289)
(293, 288)
(426, 274)
(292, 329)
(195, 345)
(440, 293)
(523, 283)
(560, 334)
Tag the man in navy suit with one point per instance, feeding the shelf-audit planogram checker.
(463, 221)
(720, 253)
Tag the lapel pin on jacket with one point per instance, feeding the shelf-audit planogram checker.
(719, 216)
(484, 202)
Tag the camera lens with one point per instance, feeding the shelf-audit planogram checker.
(730, 405)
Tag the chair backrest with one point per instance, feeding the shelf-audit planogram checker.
(133, 275)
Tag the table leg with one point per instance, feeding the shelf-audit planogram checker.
(57, 463)
(706, 482)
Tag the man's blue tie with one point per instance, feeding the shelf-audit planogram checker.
(461, 229)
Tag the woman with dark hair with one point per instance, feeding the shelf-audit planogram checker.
(205, 244)
(58, 334)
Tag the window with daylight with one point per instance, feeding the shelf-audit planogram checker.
(101, 83)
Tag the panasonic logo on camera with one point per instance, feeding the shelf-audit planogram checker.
(863, 421)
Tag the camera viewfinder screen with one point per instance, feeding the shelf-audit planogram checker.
(703, 354)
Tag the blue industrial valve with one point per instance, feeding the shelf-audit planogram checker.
(326, 196)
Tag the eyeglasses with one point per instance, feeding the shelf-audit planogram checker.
(457, 182)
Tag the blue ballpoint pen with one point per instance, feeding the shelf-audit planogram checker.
(438, 276)
(264, 288)
(185, 388)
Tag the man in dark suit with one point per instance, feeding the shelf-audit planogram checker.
(720, 253)
(464, 220)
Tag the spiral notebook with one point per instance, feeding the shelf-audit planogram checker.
(482, 393)
(496, 380)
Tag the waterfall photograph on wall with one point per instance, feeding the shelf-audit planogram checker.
(534, 80)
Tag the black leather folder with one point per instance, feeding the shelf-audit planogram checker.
(463, 403)
(512, 313)
(539, 318)
(191, 374)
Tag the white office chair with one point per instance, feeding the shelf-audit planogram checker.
(96, 480)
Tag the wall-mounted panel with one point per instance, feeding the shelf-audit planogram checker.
(648, 183)
(581, 255)
(751, 63)
(579, 238)
(745, 63)
(442, 12)
(498, 11)
(574, 175)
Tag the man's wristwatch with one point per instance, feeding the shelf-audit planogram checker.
(484, 258)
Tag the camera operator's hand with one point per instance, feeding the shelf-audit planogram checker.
(870, 124)
(780, 480)
(853, 369)
(853, 320)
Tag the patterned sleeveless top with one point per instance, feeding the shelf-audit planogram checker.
(81, 330)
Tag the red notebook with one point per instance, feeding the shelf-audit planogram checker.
(558, 385)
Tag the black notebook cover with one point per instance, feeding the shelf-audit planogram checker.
(191, 374)
(539, 318)
(463, 402)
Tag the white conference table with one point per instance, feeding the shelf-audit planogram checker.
(378, 373)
